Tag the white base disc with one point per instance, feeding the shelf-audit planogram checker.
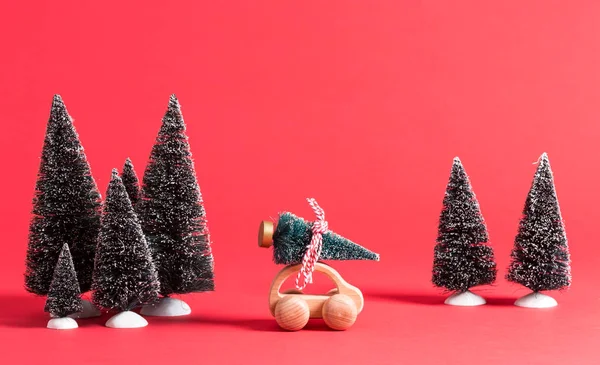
(64, 323)
(465, 299)
(167, 307)
(536, 300)
(126, 319)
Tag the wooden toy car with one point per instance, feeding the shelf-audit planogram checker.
(292, 309)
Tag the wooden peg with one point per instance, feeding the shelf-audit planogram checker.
(265, 234)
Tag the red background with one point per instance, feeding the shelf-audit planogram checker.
(361, 105)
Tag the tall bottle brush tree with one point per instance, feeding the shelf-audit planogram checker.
(130, 180)
(172, 212)
(66, 206)
(124, 275)
(540, 259)
(462, 257)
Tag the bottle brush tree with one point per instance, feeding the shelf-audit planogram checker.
(66, 206)
(124, 275)
(172, 211)
(462, 257)
(64, 294)
(130, 180)
(292, 237)
(540, 259)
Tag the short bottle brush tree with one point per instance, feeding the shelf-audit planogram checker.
(173, 217)
(124, 275)
(462, 257)
(66, 208)
(540, 257)
(64, 294)
(131, 182)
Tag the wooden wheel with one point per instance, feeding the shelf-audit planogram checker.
(339, 312)
(292, 313)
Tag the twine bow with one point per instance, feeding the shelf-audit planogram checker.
(313, 250)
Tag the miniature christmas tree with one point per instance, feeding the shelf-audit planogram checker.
(124, 275)
(130, 180)
(462, 257)
(64, 294)
(540, 257)
(66, 207)
(173, 217)
(302, 245)
(292, 237)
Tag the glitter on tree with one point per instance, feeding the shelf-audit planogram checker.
(462, 258)
(540, 259)
(66, 206)
(172, 211)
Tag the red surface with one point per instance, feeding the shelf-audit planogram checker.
(361, 105)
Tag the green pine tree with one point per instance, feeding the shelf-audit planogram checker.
(66, 206)
(172, 211)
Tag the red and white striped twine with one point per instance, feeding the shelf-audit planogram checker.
(313, 250)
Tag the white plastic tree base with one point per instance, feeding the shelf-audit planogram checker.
(167, 307)
(465, 299)
(127, 319)
(63, 323)
(536, 300)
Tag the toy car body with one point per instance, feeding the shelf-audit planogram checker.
(292, 309)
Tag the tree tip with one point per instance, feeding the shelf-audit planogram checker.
(173, 101)
(456, 160)
(64, 251)
(115, 173)
(57, 101)
(543, 158)
(128, 162)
